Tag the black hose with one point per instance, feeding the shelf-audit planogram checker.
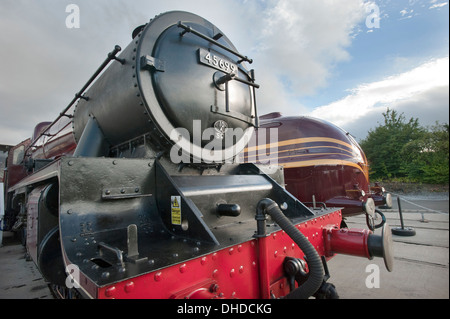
(316, 271)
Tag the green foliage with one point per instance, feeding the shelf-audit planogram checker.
(404, 150)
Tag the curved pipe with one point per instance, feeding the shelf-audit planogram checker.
(316, 271)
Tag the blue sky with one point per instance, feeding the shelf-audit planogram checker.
(410, 33)
(316, 58)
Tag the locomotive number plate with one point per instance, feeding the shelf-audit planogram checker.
(216, 62)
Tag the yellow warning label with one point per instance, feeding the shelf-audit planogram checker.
(175, 207)
(175, 201)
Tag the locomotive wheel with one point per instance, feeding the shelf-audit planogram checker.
(50, 260)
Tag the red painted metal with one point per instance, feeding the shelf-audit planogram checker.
(16, 171)
(347, 241)
(250, 270)
(57, 141)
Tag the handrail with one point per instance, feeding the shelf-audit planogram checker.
(79, 95)
(201, 35)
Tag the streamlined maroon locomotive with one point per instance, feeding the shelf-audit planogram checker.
(323, 164)
(135, 190)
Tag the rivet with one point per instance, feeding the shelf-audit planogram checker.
(203, 261)
(158, 276)
(239, 248)
(129, 287)
(70, 163)
(183, 268)
(232, 272)
(241, 269)
(231, 251)
(275, 254)
(215, 273)
(110, 292)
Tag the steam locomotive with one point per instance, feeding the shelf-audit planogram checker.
(135, 190)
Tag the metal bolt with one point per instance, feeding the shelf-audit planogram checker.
(158, 276)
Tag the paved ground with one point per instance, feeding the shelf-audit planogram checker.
(421, 266)
(421, 262)
(19, 278)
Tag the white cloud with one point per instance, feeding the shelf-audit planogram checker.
(295, 45)
(437, 5)
(301, 41)
(406, 91)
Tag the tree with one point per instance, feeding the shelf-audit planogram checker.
(383, 146)
(427, 158)
(405, 150)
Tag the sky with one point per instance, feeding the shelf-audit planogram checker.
(343, 61)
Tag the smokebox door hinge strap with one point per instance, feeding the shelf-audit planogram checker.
(151, 63)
